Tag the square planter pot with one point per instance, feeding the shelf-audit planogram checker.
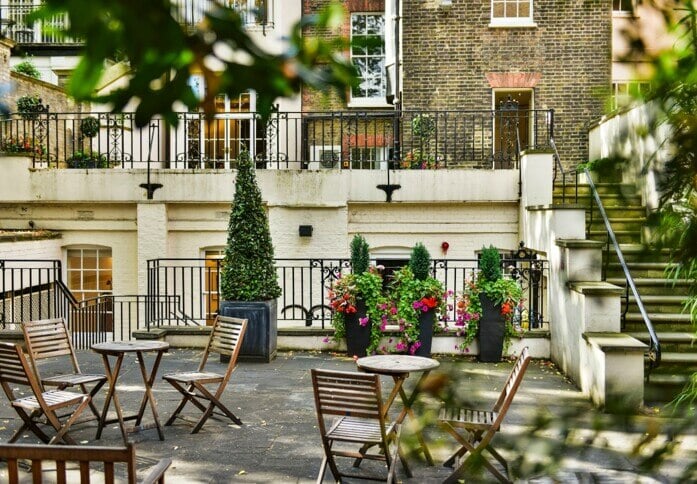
(260, 339)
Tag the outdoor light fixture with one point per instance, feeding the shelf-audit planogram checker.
(444, 247)
(305, 230)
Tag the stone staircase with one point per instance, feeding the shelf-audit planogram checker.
(662, 298)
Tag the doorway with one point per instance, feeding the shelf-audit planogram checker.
(512, 110)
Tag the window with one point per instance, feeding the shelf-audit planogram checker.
(211, 283)
(89, 272)
(623, 6)
(368, 55)
(255, 12)
(367, 158)
(624, 91)
(511, 13)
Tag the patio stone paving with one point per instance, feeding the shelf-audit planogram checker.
(279, 441)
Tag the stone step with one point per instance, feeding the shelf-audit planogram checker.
(667, 337)
(609, 200)
(664, 387)
(678, 358)
(658, 318)
(601, 188)
(622, 236)
(651, 281)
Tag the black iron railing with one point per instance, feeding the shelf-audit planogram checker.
(336, 140)
(305, 283)
(15, 26)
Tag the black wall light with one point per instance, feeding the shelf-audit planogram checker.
(305, 230)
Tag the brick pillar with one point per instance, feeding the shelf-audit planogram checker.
(152, 238)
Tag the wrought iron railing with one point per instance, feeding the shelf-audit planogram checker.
(305, 283)
(335, 140)
(15, 26)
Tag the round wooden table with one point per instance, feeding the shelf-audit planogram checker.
(399, 367)
(118, 349)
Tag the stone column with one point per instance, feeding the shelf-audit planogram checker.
(152, 238)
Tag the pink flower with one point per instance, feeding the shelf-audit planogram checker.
(393, 310)
(363, 321)
(400, 346)
(325, 340)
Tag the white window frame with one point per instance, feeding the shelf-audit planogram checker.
(381, 100)
(380, 161)
(99, 252)
(508, 22)
(625, 13)
(631, 86)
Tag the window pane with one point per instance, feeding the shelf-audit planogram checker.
(524, 10)
(105, 260)
(89, 280)
(89, 259)
(74, 280)
(104, 281)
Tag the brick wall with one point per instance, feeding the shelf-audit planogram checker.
(451, 56)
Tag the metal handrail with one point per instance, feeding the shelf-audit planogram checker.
(655, 346)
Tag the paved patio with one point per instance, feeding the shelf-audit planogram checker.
(279, 441)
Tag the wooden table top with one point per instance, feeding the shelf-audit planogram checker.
(115, 347)
(396, 364)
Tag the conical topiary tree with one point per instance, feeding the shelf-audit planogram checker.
(248, 272)
(360, 254)
(420, 262)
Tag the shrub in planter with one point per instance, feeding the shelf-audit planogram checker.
(419, 299)
(486, 306)
(27, 68)
(356, 299)
(248, 281)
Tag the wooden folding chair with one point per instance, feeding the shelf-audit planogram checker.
(57, 463)
(49, 338)
(14, 369)
(226, 339)
(481, 426)
(354, 400)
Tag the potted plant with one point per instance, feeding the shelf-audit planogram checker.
(418, 298)
(486, 307)
(248, 281)
(82, 159)
(356, 299)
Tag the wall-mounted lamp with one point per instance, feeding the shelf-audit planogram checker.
(305, 230)
(444, 247)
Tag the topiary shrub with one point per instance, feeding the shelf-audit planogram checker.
(248, 272)
(420, 262)
(29, 106)
(81, 159)
(360, 257)
(490, 264)
(89, 127)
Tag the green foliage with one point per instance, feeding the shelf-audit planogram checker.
(29, 106)
(420, 262)
(360, 256)
(344, 295)
(89, 127)
(503, 291)
(490, 264)
(423, 126)
(27, 68)
(411, 296)
(248, 272)
(163, 54)
(83, 159)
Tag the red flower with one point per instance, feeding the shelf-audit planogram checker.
(429, 302)
(506, 308)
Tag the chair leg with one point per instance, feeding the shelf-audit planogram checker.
(29, 424)
(92, 393)
(214, 402)
(322, 471)
(63, 429)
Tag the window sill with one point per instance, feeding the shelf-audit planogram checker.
(512, 24)
(368, 104)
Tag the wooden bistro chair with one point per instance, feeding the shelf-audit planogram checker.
(55, 463)
(354, 401)
(226, 339)
(481, 426)
(15, 370)
(49, 338)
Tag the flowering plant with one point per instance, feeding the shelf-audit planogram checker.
(22, 145)
(468, 310)
(411, 297)
(344, 296)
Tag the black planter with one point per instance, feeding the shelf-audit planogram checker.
(260, 339)
(492, 329)
(357, 336)
(426, 322)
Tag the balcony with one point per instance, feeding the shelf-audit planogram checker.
(14, 24)
(287, 140)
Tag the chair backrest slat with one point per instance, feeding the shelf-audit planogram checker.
(62, 454)
(226, 335)
(47, 338)
(11, 367)
(347, 393)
